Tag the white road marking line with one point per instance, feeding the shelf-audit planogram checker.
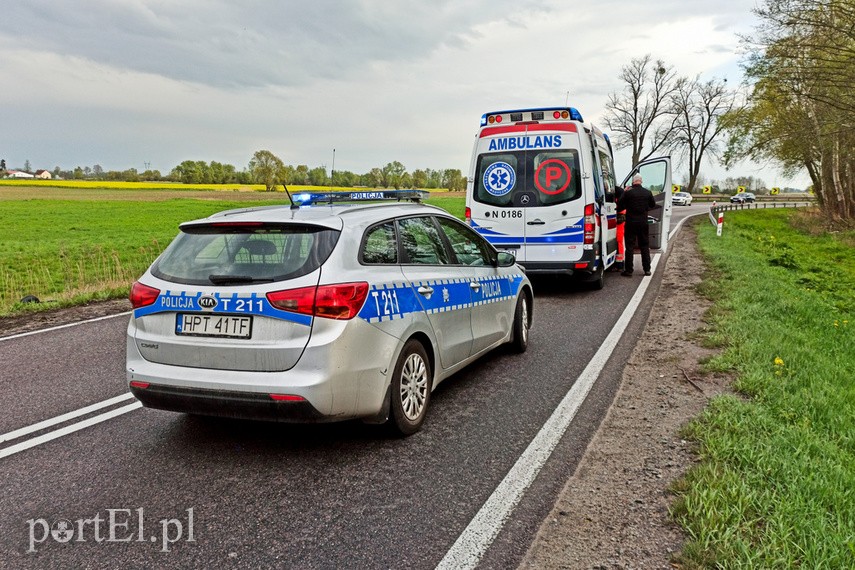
(56, 328)
(24, 445)
(63, 418)
(476, 538)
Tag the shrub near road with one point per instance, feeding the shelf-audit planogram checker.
(776, 485)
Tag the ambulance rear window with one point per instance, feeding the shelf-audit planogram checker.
(524, 179)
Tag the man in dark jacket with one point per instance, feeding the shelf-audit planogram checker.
(637, 201)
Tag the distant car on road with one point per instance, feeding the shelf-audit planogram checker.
(681, 199)
(742, 198)
(321, 311)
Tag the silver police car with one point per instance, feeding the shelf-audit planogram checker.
(321, 311)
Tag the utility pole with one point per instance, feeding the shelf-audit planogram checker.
(332, 170)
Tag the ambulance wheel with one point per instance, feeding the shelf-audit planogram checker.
(599, 279)
(519, 341)
(411, 385)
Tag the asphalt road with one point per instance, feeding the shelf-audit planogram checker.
(186, 492)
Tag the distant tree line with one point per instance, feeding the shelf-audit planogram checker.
(268, 169)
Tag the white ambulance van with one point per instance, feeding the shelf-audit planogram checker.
(541, 186)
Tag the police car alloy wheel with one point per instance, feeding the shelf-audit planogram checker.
(411, 386)
(521, 325)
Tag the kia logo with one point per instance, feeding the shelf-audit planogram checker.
(207, 302)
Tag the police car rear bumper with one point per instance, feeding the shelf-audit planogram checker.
(239, 405)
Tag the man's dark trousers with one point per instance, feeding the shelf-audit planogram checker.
(641, 232)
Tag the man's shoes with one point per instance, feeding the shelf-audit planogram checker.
(626, 273)
(647, 272)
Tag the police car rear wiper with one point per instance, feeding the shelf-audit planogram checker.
(226, 279)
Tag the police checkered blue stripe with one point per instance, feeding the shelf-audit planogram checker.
(389, 301)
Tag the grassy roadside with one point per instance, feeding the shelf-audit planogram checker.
(776, 484)
(68, 251)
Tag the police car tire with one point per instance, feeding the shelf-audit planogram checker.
(519, 343)
(410, 401)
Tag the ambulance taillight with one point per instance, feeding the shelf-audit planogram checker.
(590, 224)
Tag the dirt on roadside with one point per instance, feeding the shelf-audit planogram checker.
(41, 320)
(613, 513)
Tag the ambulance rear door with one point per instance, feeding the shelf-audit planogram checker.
(527, 193)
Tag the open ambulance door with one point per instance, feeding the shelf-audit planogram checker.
(656, 177)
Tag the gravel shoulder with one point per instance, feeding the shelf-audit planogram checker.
(614, 510)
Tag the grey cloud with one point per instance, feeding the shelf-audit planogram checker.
(251, 44)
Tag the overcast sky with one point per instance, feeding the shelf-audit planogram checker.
(131, 83)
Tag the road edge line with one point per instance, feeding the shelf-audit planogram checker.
(65, 326)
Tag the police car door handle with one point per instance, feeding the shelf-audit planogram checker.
(536, 223)
(475, 285)
(425, 290)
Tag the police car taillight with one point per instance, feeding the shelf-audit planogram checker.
(468, 214)
(341, 301)
(142, 295)
(590, 223)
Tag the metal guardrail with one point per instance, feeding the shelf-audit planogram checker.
(715, 209)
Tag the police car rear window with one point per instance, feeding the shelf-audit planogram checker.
(244, 254)
(528, 178)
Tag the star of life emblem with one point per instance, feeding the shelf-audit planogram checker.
(499, 178)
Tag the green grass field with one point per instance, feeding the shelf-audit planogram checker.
(776, 486)
(72, 245)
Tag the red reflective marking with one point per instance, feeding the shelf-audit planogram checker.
(286, 398)
(490, 131)
(138, 384)
(553, 170)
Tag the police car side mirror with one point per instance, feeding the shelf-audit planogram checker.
(505, 259)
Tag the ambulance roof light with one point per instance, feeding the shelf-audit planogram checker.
(571, 113)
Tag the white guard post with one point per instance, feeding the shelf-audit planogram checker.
(720, 223)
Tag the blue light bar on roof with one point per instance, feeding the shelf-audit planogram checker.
(575, 115)
(310, 198)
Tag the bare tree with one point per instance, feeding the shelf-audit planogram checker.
(641, 115)
(699, 106)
